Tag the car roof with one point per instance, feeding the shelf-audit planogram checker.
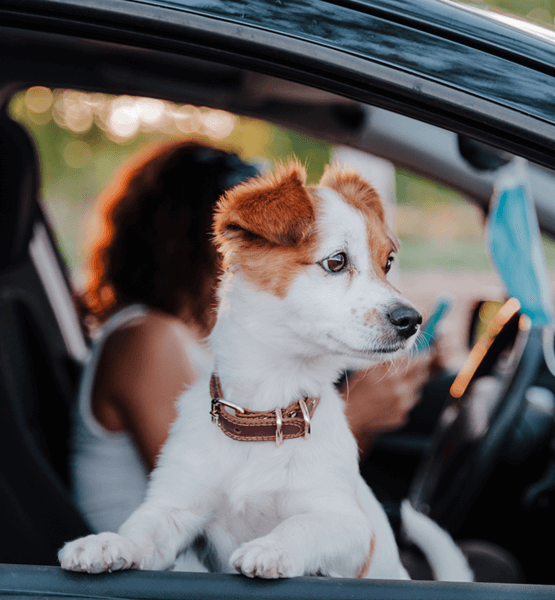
(455, 70)
(373, 52)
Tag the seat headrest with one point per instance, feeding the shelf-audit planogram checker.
(19, 187)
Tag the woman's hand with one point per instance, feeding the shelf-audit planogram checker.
(381, 398)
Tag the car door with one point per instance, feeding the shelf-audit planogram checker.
(430, 61)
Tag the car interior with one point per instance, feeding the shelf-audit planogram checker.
(39, 370)
(43, 343)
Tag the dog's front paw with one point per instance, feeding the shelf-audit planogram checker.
(261, 558)
(99, 553)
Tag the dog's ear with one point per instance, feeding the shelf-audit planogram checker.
(394, 240)
(354, 188)
(358, 192)
(275, 209)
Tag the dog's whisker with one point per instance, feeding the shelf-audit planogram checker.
(347, 388)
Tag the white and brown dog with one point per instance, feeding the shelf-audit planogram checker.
(266, 470)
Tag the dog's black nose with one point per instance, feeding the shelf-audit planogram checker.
(405, 320)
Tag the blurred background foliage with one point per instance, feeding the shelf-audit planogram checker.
(540, 12)
(83, 138)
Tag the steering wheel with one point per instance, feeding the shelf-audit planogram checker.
(481, 414)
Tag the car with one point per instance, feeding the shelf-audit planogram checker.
(445, 90)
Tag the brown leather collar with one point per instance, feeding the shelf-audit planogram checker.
(259, 426)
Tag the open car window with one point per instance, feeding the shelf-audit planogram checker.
(83, 138)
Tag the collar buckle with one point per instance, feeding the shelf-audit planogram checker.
(217, 401)
(306, 417)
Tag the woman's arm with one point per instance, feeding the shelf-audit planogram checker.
(142, 371)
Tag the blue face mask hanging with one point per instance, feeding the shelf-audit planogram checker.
(515, 246)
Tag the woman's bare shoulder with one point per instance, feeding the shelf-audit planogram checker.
(152, 331)
(150, 346)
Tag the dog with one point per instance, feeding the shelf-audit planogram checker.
(260, 461)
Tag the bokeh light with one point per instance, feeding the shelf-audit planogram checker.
(72, 111)
(218, 124)
(38, 99)
(122, 118)
(187, 118)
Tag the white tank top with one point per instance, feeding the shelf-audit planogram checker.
(109, 475)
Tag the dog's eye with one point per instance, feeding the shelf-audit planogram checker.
(335, 263)
(390, 260)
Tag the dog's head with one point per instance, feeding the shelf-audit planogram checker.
(322, 253)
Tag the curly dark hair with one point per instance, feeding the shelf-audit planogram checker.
(155, 245)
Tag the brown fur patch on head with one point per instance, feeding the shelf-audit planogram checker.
(273, 207)
(354, 189)
(265, 227)
(357, 192)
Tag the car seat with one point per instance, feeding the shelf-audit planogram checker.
(41, 345)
